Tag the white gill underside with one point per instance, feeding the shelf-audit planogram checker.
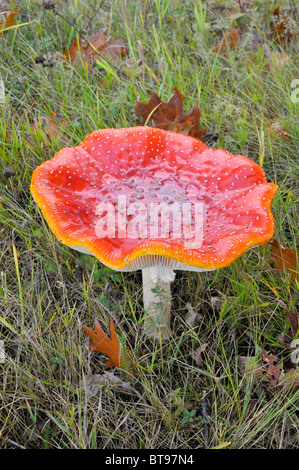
(162, 264)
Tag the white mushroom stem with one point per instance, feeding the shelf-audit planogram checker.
(157, 301)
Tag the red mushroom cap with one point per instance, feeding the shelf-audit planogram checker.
(149, 166)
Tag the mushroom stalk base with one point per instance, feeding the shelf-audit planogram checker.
(157, 301)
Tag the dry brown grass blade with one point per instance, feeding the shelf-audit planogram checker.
(51, 127)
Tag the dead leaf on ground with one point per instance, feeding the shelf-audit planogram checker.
(284, 340)
(192, 317)
(218, 301)
(277, 130)
(170, 116)
(93, 383)
(196, 354)
(272, 371)
(95, 47)
(118, 356)
(52, 128)
(293, 318)
(266, 366)
(7, 16)
(282, 26)
(229, 41)
(284, 259)
(278, 377)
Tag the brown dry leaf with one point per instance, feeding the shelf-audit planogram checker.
(272, 371)
(192, 317)
(284, 259)
(196, 354)
(93, 383)
(229, 41)
(293, 318)
(118, 356)
(281, 26)
(217, 301)
(262, 367)
(276, 374)
(170, 116)
(277, 130)
(52, 128)
(95, 47)
(7, 16)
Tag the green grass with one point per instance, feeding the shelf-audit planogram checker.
(48, 291)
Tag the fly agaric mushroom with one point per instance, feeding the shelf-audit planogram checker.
(149, 199)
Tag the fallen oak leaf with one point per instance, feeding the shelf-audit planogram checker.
(118, 356)
(281, 26)
(284, 259)
(90, 49)
(262, 366)
(7, 17)
(170, 116)
(229, 41)
(51, 127)
(271, 370)
(276, 374)
(276, 129)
